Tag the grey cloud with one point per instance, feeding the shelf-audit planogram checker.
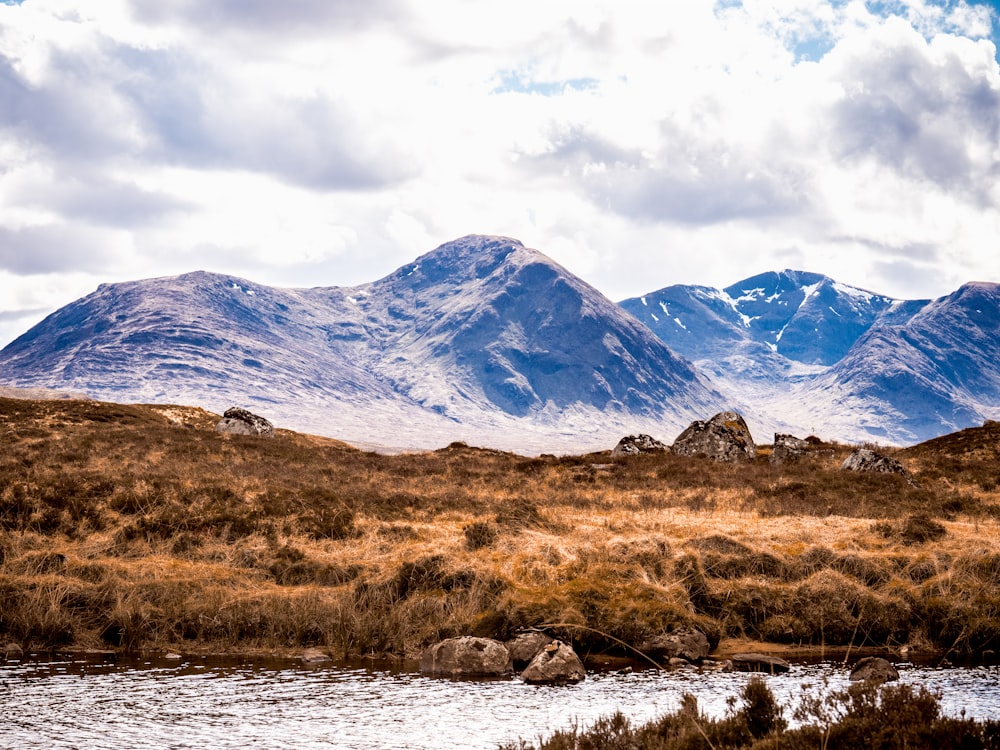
(689, 183)
(70, 116)
(917, 117)
(97, 200)
(52, 249)
(312, 142)
(268, 17)
(90, 111)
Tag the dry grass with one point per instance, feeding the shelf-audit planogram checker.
(140, 527)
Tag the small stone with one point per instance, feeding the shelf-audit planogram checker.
(313, 656)
(754, 662)
(873, 669)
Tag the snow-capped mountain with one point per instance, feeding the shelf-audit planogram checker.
(813, 355)
(481, 339)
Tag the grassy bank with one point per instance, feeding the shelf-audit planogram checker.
(140, 527)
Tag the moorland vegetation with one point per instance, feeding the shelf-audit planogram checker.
(139, 527)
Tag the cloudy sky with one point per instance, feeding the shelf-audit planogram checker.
(638, 143)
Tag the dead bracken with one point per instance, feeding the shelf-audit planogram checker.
(140, 527)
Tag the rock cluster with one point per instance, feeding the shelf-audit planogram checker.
(631, 445)
(237, 421)
(545, 661)
(725, 437)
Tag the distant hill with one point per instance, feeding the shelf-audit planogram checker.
(825, 357)
(481, 339)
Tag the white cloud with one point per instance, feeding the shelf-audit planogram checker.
(638, 144)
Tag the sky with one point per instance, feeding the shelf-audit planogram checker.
(639, 144)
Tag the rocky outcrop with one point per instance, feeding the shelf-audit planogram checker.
(754, 662)
(873, 669)
(689, 645)
(237, 421)
(867, 460)
(556, 664)
(525, 647)
(788, 449)
(466, 656)
(725, 437)
(631, 445)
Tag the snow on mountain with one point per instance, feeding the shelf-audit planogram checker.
(810, 355)
(482, 340)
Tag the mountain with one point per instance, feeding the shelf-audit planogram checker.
(481, 339)
(821, 356)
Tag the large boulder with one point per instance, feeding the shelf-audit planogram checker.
(689, 645)
(526, 646)
(788, 449)
(466, 656)
(725, 437)
(631, 445)
(867, 460)
(556, 664)
(237, 421)
(873, 669)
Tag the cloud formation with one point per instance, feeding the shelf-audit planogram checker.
(309, 142)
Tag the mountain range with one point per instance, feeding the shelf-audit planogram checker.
(487, 341)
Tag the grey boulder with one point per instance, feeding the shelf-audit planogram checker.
(873, 669)
(237, 421)
(632, 445)
(466, 656)
(725, 437)
(556, 664)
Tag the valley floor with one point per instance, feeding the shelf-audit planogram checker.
(140, 527)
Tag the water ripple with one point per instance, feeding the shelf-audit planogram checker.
(82, 705)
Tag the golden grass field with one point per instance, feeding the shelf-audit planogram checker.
(139, 527)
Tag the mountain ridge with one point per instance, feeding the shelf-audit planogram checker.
(481, 335)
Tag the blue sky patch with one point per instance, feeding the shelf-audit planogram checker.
(512, 81)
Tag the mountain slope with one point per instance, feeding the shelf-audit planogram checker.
(481, 339)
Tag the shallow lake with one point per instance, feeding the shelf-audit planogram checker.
(82, 703)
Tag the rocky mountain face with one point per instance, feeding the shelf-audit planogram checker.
(824, 357)
(481, 339)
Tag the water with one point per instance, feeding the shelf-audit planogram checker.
(82, 704)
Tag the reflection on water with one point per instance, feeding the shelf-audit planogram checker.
(225, 704)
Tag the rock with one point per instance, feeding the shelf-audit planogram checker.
(759, 663)
(313, 656)
(556, 664)
(725, 437)
(12, 651)
(237, 421)
(690, 645)
(173, 656)
(873, 669)
(525, 647)
(788, 448)
(632, 445)
(466, 656)
(867, 460)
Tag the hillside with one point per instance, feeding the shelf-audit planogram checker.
(128, 527)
